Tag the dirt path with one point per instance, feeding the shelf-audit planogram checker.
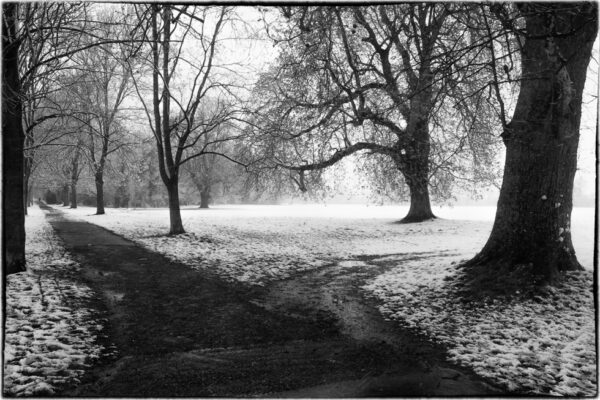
(179, 332)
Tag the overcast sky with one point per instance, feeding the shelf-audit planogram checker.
(253, 55)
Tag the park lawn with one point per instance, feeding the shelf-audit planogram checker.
(543, 344)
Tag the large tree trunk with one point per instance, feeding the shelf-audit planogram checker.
(532, 229)
(13, 210)
(412, 155)
(204, 197)
(174, 212)
(420, 205)
(413, 162)
(99, 193)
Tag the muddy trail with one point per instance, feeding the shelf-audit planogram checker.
(180, 332)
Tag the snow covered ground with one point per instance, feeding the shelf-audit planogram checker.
(229, 234)
(255, 244)
(543, 345)
(49, 333)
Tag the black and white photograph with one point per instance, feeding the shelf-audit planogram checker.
(299, 200)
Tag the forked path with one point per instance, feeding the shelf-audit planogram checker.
(179, 332)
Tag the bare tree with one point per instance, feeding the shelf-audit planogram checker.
(38, 116)
(46, 31)
(103, 83)
(177, 132)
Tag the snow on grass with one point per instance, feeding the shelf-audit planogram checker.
(539, 345)
(542, 345)
(49, 334)
(257, 244)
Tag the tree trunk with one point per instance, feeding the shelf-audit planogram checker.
(204, 198)
(532, 228)
(174, 212)
(13, 212)
(74, 178)
(73, 194)
(413, 161)
(99, 193)
(420, 205)
(65, 195)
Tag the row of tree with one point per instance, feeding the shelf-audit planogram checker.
(422, 92)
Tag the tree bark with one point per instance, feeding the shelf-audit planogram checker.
(420, 205)
(99, 193)
(13, 210)
(73, 194)
(413, 162)
(65, 195)
(74, 179)
(176, 226)
(533, 219)
(204, 198)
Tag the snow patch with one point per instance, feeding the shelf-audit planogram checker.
(259, 244)
(543, 345)
(50, 336)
